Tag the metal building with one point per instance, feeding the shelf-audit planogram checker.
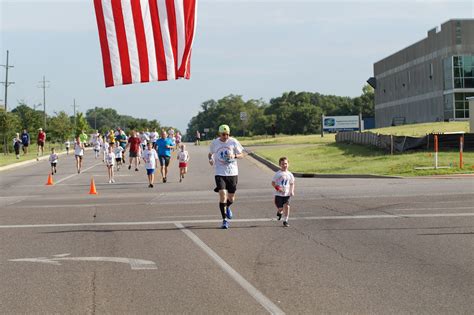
(429, 80)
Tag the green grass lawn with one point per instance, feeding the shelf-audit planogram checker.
(339, 158)
(32, 150)
(415, 130)
(325, 156)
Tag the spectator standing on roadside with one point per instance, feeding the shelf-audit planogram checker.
(41, 141)
(164, 145)
(16, 145)
(134, 149)
(25, 141)
(223, 154)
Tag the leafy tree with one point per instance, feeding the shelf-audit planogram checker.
(9, 125)
(81, 124)
(30, 119)
(60, 127)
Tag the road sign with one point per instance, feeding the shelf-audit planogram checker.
(135, 264)
(206, 129)
(243, 115)
(340, 123)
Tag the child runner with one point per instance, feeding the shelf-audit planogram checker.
(53, 159)
(118, 156)
(68, 145)
(109, 163)
(105, 148)
(97, 142)
(78, 153)
(284, 184)
(150, 157)
(183, 158)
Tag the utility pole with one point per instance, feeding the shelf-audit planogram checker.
(74, 111)
(43, 86)
(6, 83)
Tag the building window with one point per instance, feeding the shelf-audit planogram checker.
(448, 107)
(458, 33)
(461, 105)
(463, 72)
(448, 73)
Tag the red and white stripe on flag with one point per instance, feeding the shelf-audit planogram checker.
(145, 40)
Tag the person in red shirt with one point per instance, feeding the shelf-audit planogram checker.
(41, 141)
(134, 149)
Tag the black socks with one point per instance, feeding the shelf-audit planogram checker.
(222, 207)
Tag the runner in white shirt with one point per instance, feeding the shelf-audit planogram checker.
(78, 153)
(97, 143)
(153, 138)
(118, 156)
(183, 158)
(105, 148)
(53, 159)
(109, 163)
(223, 154)
(284, 184)
(150, 157)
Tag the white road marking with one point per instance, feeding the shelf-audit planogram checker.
(340, 217)
(135, 264)
(75, 174)
(247, 286)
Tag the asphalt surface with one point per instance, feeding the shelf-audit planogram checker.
(354, 246)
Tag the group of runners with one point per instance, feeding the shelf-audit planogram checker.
(22, 142)
(154, 148)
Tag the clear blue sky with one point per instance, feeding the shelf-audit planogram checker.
(257, 49)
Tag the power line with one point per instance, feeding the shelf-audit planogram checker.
(44, 87)
(6, 83)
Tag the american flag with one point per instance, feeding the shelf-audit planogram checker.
(145, 40)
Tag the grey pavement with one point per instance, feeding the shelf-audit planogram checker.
(354, 246)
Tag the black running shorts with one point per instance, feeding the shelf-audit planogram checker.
(164, 160)
(280, 201)
(228, 183)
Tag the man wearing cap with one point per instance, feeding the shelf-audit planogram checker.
(41, 140)
(222, 155)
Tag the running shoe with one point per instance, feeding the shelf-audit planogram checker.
(180, 179)
(150, 185)
(279, 215)
(228, 213)
(225, 225)
(136, 170)
(110, 181)
(164, 179)
(113, 180)
(216, 190)
(285, 224)
(55, 171)
(129, 167)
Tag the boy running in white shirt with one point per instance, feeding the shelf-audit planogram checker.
(150, 157)
(97, 144)
(183, 158)
(105, 149)
(53, 159)
(109, 163)
(284, 184)
(118, 156)
(68, 145)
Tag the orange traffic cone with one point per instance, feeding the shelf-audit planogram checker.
(92, 190)
(50, 180)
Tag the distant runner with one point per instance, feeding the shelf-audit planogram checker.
(183, 158)
(78, 154)
(17, 145)
(25, 141)
(109, 163)
(222, 155)
(150, 157)
(164, 145)
(41, 141)
(53, 159)
(134, 149)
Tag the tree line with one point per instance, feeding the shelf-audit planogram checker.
(290, 113)
(62, 126)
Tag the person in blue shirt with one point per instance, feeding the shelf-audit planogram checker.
(164, 145)
(25, 141)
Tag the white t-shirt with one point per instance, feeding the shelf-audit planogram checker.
(53, 158)
(97, 144)
(110, 158)
(220, 151)
(183, 156)
(150, 157)
(153, 136)
(68, 144)
(78, 150)
(105, 146)
(283, 179)
(118, 152)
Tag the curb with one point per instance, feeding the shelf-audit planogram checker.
(275, 168)
(27, 162)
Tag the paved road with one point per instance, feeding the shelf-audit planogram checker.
(354, 246)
